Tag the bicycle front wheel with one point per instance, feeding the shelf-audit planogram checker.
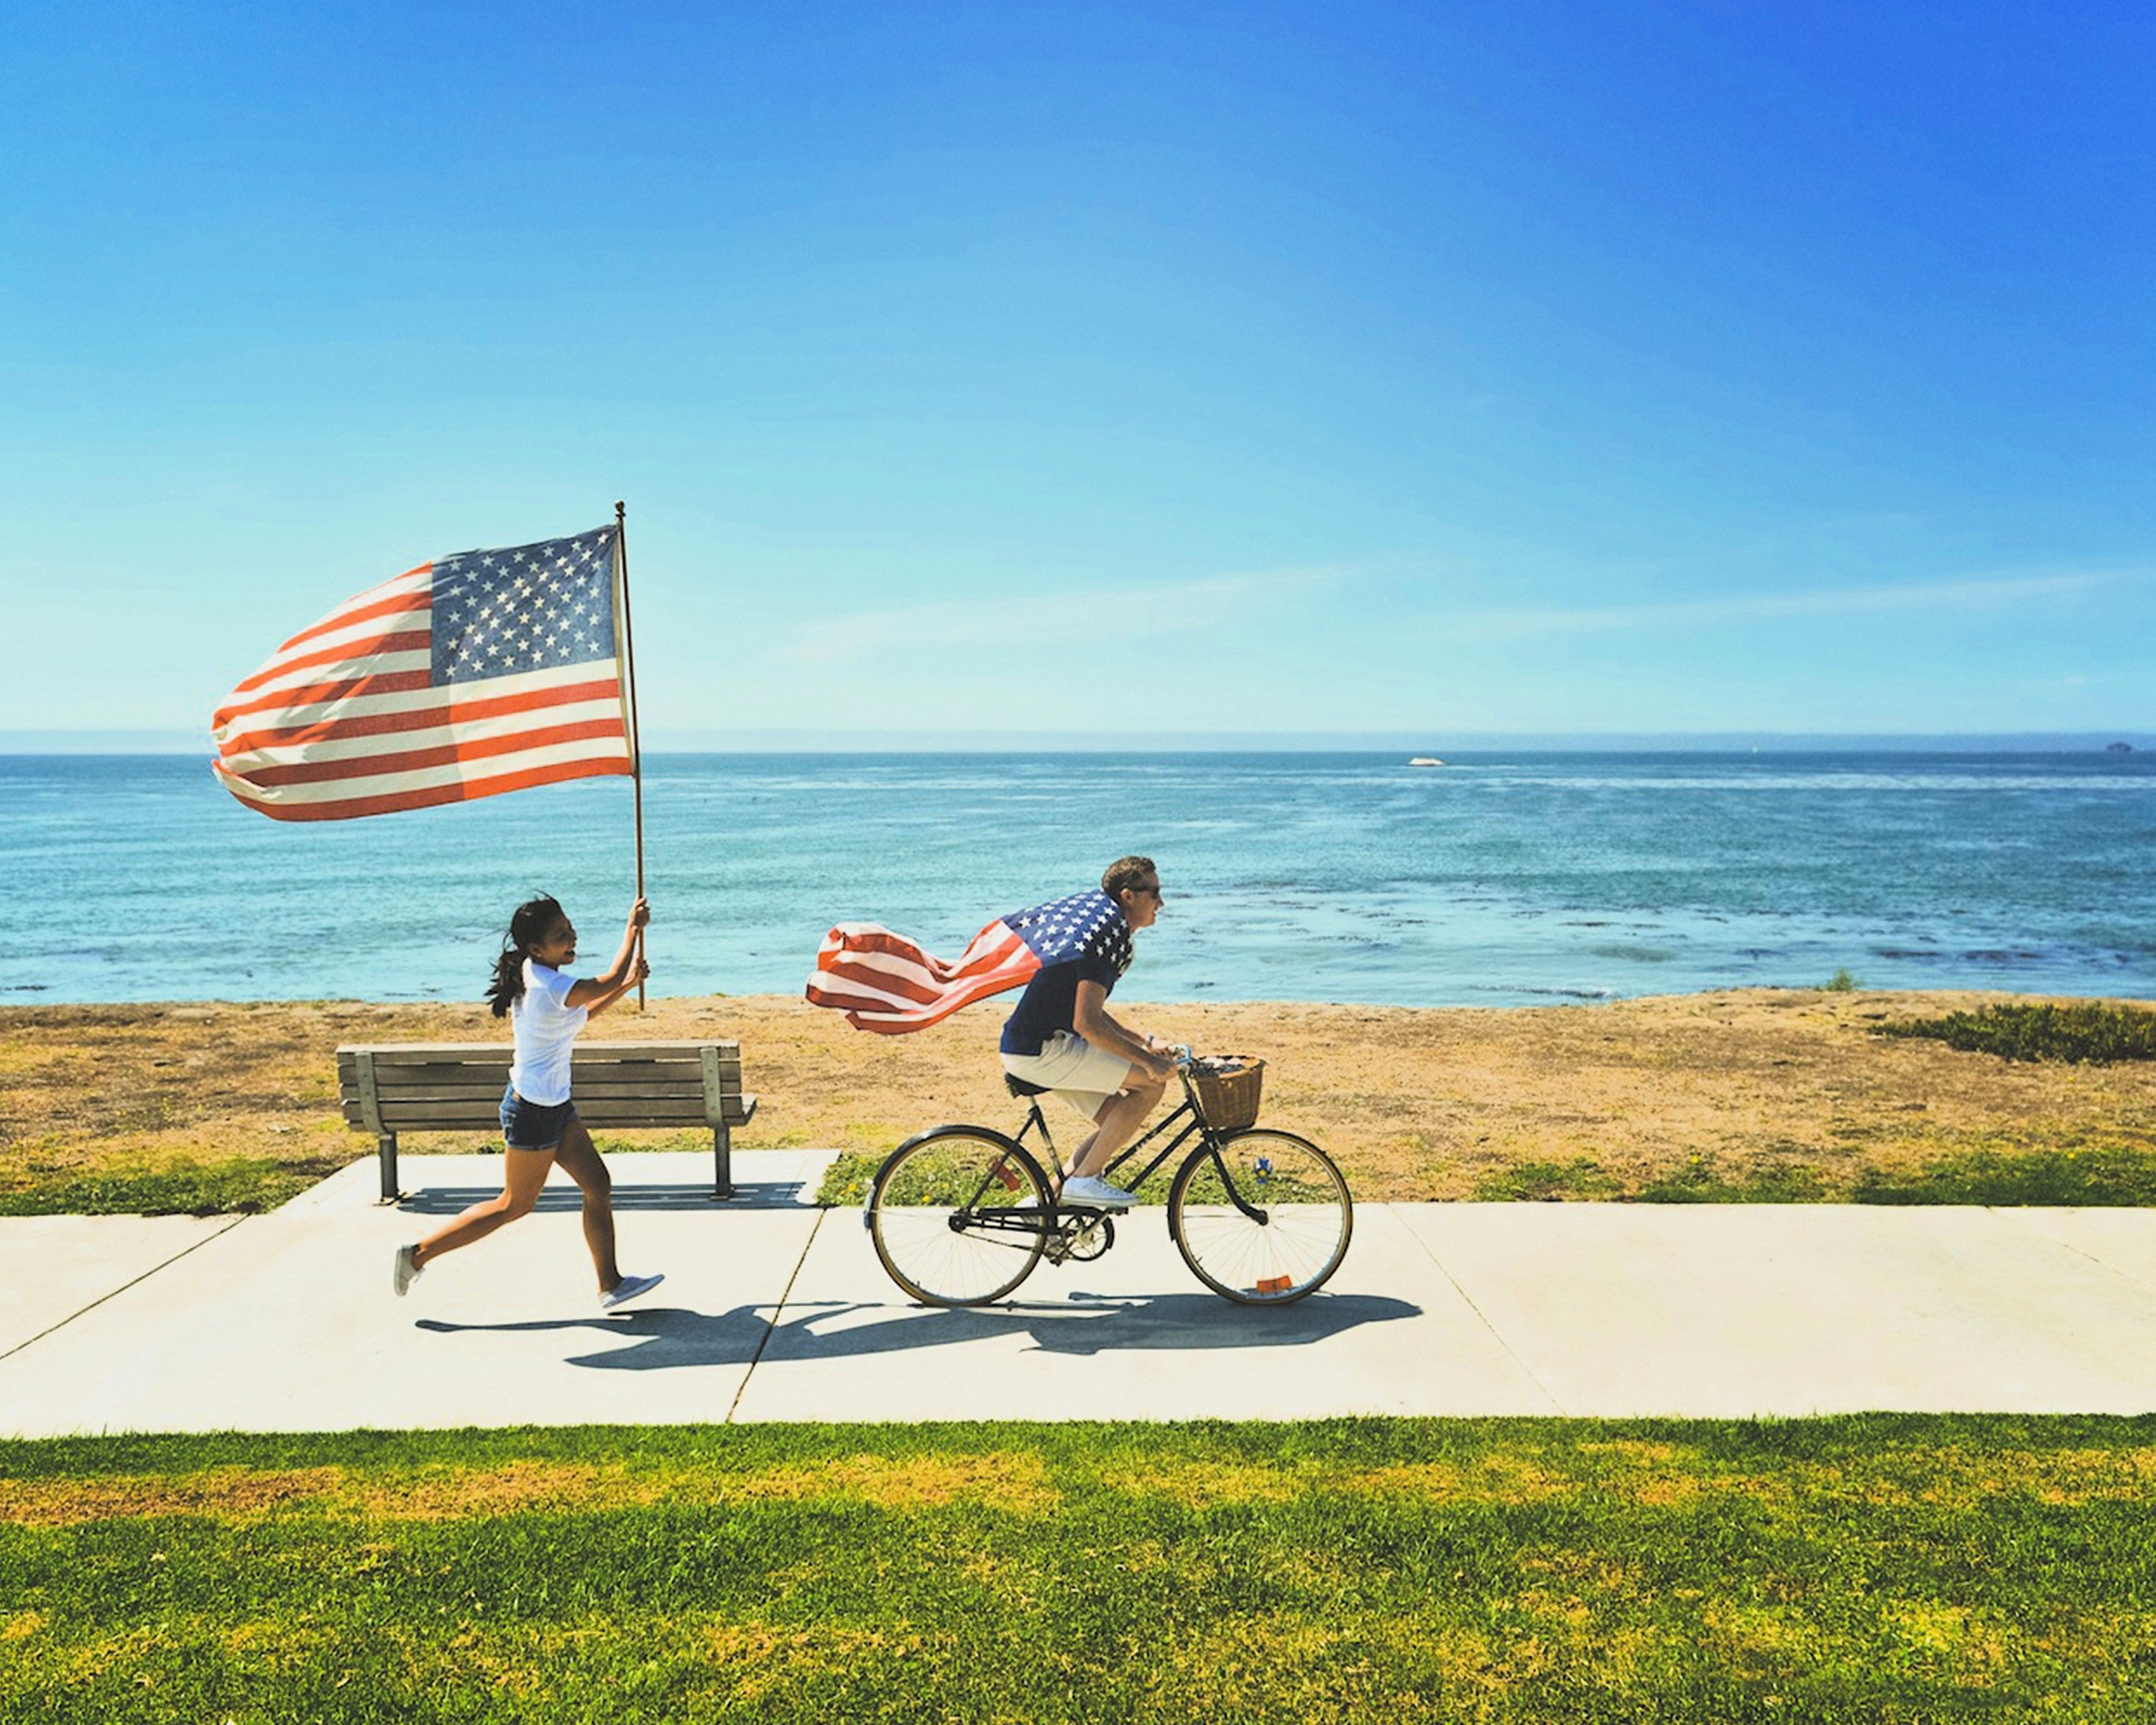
(959, 1215)
(1261, 1217)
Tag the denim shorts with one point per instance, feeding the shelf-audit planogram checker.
(533, 1125)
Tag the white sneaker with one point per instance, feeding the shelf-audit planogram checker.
(405, 1270)
(627, 1289)
(1092, 1189)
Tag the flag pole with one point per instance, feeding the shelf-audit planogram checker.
(627, 656)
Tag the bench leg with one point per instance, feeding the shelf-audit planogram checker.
(385, 1152)
(722, 1156)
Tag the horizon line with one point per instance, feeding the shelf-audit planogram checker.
(131, 741)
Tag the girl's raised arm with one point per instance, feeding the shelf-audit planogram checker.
(598, 992)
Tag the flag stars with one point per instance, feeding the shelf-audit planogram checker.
(528, 608)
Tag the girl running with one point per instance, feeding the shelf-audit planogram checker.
(546, 1009)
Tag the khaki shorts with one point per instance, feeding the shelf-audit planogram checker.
(1073, 1071)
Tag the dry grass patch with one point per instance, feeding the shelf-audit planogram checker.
(1014, 1482)
(1201, 1484)
(1779, 1092)
(1498, 1478)
(1954, 1478)
(224, 1493)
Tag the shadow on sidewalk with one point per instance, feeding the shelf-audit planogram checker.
(749, 1195)
(659, 1339)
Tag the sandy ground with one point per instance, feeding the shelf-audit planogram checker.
(1592, 1102)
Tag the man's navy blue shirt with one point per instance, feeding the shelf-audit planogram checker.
(1050, 1000)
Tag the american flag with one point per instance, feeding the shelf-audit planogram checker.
(883, 981)
(474, 674)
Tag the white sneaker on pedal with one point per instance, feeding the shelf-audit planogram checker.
(1092, 1189)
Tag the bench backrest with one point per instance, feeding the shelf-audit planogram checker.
(446, 1086)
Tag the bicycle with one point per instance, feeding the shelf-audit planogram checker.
(961, 1214)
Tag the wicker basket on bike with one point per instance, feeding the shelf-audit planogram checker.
(1227, 1086)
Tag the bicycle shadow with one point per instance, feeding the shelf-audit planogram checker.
(662, 1338)
(1088, 1324)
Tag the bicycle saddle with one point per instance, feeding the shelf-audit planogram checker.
(1019, 1086)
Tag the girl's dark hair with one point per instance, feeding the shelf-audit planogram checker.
(534, 920)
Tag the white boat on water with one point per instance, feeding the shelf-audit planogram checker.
(1425, 761)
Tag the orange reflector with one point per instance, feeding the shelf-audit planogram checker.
(1003, 1171)
(1275, 1284)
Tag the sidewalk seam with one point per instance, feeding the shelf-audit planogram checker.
(115, 1293)
(778, 1311)
(2028, 1226)
(1496, 1334)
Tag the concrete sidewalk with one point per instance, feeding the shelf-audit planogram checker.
(774, 1309)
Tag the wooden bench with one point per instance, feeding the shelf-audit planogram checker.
(456, 1087)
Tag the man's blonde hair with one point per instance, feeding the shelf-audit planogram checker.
(1124, 873)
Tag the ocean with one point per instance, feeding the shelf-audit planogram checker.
(1498, 878)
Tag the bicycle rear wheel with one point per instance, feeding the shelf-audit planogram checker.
(1294, 1232)
(959, 1215)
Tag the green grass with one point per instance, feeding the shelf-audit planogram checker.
(1539, 1182)
(2083, 1030)
(1882, 1570)
(242, 1185)
(237, 1185)
(1701, 1181)
(2104, 1174)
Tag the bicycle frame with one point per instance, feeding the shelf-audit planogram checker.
(1188, 1120)
(1005, 1190)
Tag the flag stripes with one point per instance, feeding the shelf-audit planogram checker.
(487, 672)
(885, 983)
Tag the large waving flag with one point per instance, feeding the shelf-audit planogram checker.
(885, 983)
(477, 674)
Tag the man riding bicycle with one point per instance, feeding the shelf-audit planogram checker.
(1061, 1037)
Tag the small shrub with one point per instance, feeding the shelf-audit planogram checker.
(1840, 983)
(2090, 1030)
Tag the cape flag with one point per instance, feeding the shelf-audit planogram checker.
(474, 674)
(883, 981)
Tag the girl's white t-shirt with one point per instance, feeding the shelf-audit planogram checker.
(545, 1025)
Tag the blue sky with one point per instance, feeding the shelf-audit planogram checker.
(1106, 369)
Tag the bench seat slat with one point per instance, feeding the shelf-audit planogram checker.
(414, 1116)
(421, 1082)
(458, 1117)
(421, 1054)
(488, 1124)
(486, 1110)
(456, 1087)
(391, 1076)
